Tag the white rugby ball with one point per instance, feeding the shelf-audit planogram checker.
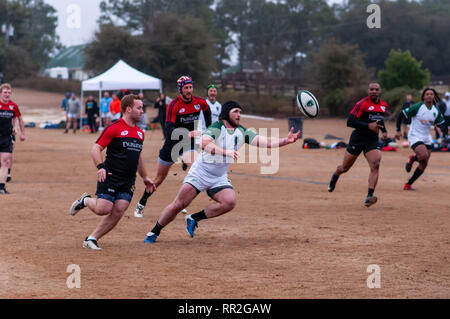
(307, 103)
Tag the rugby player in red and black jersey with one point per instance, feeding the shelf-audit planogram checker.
(367, 118)
(116, 176)
(9, 114)
(182, 115)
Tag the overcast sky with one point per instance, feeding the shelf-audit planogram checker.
(77, 19)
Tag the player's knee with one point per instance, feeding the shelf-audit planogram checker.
(423, 157)
(228, 204)
(375, 165)
(178, 205)
(343, 169)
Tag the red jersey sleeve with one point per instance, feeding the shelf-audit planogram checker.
(107, 136)
(358, 109)
(204, 105)
(16, 111)
(171, 112)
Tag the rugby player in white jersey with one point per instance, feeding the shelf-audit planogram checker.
(220, 145)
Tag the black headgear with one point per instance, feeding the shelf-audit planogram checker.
(226, 108)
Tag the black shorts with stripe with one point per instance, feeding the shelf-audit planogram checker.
(115, 188)
(358, 144)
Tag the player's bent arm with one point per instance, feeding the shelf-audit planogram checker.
(354, 122)
(141, 168)
(96, 154)
(149, 184)
(210, 147)
(401, 116)
(22, 128)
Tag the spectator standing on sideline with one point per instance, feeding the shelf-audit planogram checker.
(160, 104)
(73, 110)
(145, 103)
(114, 108)
(104, 109)
(92, 113)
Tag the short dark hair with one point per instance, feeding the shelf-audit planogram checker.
(127, 101)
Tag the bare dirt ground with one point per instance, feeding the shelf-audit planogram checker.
(288, 237)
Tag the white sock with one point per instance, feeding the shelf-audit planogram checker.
(92, 238)
(84, 201)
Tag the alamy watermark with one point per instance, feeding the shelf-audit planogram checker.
(74, 279)
(374, 19)
(374, 279)
(74, 16)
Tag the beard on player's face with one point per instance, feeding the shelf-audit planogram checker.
(186, 92)
(235, 117)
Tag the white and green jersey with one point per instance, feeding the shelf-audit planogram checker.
(422, 119)
(228, 139)
(215, 108)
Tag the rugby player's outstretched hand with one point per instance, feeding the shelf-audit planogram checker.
(292, 137)
(150, 186)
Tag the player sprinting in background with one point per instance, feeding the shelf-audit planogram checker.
(367, 118)
(423, 116)
(214, 106)
(209, 173)
(182, 112)
(9, 114)
(116, 176)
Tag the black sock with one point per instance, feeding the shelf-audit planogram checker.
(9, 171)
(415, 176)
(370, 192)
(144, 198)
(157, 229)
(334, 178)
(199, 216)
(2, 185)
(414, 159)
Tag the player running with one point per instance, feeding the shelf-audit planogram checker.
(9, 114)
(116, 176)
(209, 173)
(367, 118)
(423, 116)
(182, 113)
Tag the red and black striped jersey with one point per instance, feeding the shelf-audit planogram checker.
(182, 114)
(123, 145)
(8, 111)
(368, 111)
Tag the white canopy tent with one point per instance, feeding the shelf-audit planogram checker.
(120, 76)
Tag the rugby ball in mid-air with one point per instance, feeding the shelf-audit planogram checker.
(307, 103)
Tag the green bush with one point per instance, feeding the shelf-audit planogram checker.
(396, 96)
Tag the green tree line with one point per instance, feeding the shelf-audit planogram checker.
(307, 42)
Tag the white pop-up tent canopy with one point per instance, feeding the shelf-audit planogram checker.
(120, 76)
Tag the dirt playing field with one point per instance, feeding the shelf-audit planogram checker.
(288, 237)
